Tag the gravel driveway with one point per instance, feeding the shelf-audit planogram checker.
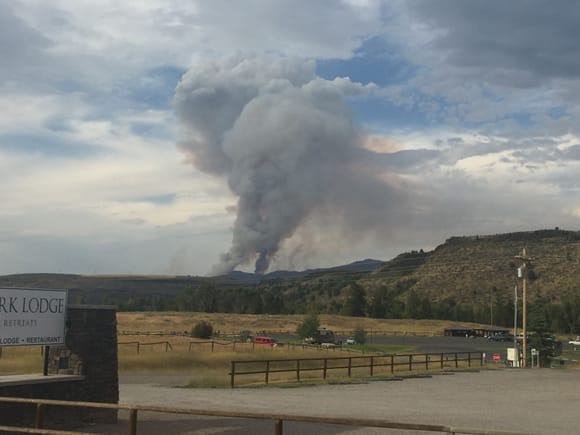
(539, 401)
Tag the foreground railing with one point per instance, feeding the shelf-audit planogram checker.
(277, 419)
(390, 363)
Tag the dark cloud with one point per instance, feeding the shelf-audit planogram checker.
(518, 43)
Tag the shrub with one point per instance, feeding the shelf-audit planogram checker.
(309, 326)
(202, 329)
(360, 336)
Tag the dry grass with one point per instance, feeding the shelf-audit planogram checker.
(233, 323)
(19, 360)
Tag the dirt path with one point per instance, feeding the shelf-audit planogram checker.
(533, 401)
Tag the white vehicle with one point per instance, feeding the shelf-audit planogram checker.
(350, 340)
(575, 342)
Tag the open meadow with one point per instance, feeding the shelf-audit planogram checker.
(157, 343)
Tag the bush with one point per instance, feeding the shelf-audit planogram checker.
(202, 329)
(360, 336)
(309, 326)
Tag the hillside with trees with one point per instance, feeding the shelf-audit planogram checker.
(469, 278)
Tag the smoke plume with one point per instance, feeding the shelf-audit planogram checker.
(283, 138)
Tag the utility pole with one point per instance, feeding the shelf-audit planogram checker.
(526, 260)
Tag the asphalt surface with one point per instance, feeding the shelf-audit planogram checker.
(538, 401)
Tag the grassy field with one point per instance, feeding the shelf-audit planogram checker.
(207, 363)
(234, 323)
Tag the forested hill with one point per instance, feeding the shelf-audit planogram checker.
(470, 278)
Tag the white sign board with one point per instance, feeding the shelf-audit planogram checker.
(32, 317)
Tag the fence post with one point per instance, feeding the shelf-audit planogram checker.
(468, 359)
(441, 360)
(324, 369)
(349, 365)
(166, 346)
(456, 362)
(372, 365)
(233, 374)
(392, 364)
(481, 359)
(39, 415)
(410, 363)
(133, 422)
(427, 361)
(278, 427)
(138, 343)
(298, 370)
(212, 345)
(267, 370)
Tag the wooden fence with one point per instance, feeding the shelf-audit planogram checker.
(277, 419)
(212, 345)
(167, 345)
(389, 363)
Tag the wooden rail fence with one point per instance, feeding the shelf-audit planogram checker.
(213, 344)
(138, 344)
(277, 419)
(409, 362)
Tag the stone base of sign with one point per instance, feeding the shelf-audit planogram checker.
(84, 369)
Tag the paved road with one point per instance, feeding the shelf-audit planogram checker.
(540, 401)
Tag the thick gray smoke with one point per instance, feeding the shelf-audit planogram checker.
(284, 139)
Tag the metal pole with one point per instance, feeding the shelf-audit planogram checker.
(524, 318)
(516, 351)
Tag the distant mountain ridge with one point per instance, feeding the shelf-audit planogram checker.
(367, 265)
(467, 270)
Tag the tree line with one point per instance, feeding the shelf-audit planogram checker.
(352, 299)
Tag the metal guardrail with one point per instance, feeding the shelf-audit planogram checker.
(278, 419)
(424, 361)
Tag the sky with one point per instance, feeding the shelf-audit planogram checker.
(198, 137)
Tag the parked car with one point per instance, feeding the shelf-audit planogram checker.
(266, 341)
(575, 342)
(350, 340)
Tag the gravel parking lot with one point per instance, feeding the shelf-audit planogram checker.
(539, 401)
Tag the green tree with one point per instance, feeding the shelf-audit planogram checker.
(356, 304)
(413, 305)
(360, 335)
(309, 326)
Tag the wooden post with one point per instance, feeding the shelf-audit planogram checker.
(392, 364)
(267, 370)
(233, 374)
(138, 347)
(372, 365)
(298, 370)
(468, 359)
(324, 369)
(441, 360)
(133, 422)
(456, 362)
(349, 366)
(45, 363)
(481, 359)
(410, 363)
(39, 416)
(427, 361)
(278, 427)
